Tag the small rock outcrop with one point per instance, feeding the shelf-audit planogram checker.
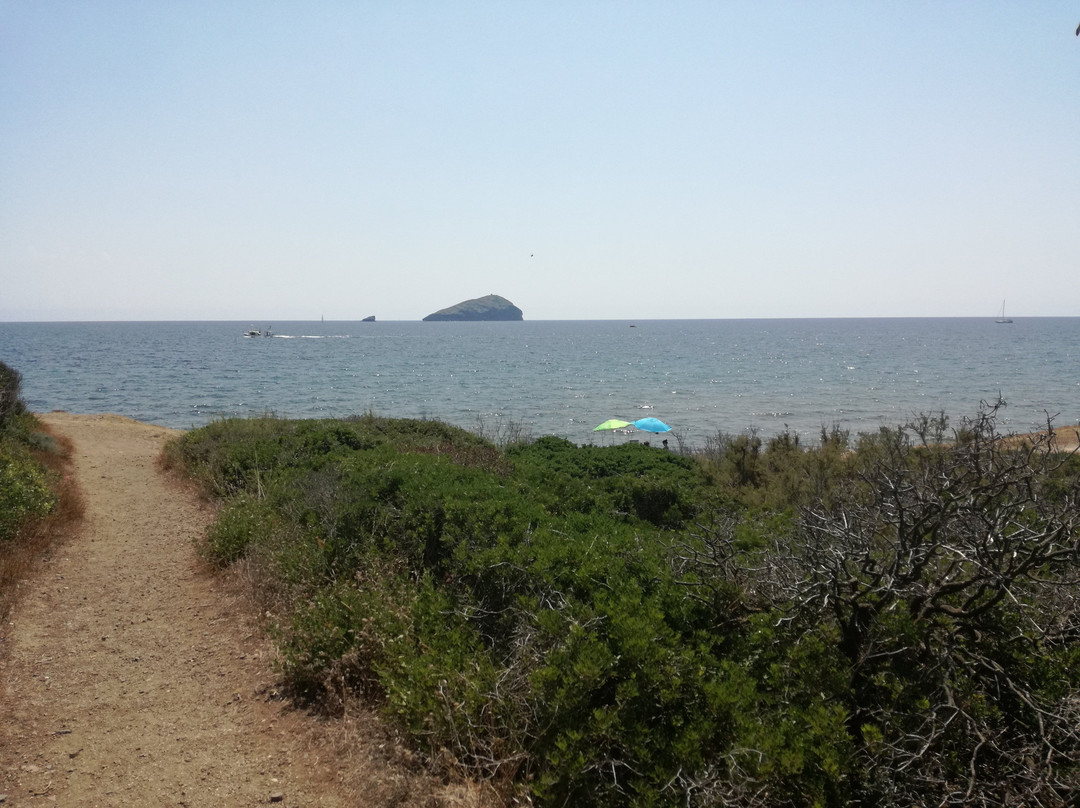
(491, 307)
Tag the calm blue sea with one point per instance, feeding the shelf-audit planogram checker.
(560, 377)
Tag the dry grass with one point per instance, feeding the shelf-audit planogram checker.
(383, 768)
(22, 556)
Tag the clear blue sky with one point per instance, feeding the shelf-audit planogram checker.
(265, 161)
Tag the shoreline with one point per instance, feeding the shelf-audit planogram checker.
(1065, 439)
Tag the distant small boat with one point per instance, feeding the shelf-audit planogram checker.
(254, 332)
(369, 319)
(1002, 318)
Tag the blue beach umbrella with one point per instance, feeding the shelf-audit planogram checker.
(652, 425)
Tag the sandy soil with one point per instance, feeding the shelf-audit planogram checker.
(131, 676)
(1066, 438)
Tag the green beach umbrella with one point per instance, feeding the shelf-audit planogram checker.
(613, 423)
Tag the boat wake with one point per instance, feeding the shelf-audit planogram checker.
(312, 336)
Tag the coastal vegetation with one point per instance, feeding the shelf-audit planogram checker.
(37, 498)
(887, 619)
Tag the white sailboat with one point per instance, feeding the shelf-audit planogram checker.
(1002, 318)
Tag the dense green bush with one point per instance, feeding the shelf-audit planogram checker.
(241, 521)
(765, 624)
(25, 492)
(655, 486)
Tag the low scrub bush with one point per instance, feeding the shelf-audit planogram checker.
(242, 520)
(26, 489)
(38, 498)
(25, 492)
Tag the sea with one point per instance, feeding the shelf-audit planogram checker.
(703, 378)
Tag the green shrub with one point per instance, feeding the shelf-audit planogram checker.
(341, 636)
(630, 480)
(241, 521)
(25, 493)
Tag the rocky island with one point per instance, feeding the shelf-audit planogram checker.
(491, 307)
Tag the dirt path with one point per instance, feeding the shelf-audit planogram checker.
(132, 677)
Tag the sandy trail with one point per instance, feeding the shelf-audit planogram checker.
(130, 676)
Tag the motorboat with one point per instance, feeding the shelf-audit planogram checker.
(254, 332)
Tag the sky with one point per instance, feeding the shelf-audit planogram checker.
(269, 161)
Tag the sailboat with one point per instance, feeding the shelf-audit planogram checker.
(1003, 318)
